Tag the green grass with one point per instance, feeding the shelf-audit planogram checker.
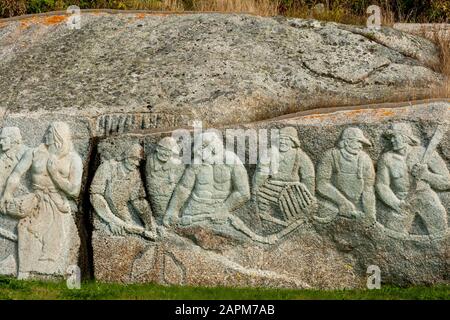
(16, 289)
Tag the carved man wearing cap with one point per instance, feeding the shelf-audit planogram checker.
(405, 183)
(286, 179)
(12, 150)
(346, 176)
(163, 170)
(118, 195)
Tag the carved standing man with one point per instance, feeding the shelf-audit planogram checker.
(11, 151)
(346, 176)
(47, 231)
(211, 189)
(287, 179)
(118, 195)
(163, 170)
(405, 182)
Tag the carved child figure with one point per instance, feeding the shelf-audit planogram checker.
(47, 230)
(346, 176)
(212, 189)
(118, 195)
(406, 182)
(287, 179)
(163, 171)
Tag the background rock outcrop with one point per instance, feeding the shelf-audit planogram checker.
(219, 68)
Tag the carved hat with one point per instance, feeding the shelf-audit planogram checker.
(355, 133)
(291, 133)
(170, 144)
(11, 132)
(405, 130)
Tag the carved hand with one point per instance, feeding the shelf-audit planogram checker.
(401, 207)
(4, 202)
(169, 218)
(52, 165)
(420, 171)
(347, 209)
(117, 230)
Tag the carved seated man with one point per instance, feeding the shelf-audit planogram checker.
(406, 180)
(118, 195)
(286, 180)
(346, 176)
(212, 189)
(163, 171)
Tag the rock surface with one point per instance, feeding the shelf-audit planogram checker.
(94, 167)
(277, 237)
(237, 68)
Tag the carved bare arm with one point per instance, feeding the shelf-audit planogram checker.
(142, 206)
(180, 196)
(71, 185)
(383, 188)
(368, 195)
(437, 175)
(14, 179)
(101, 206)
(241, 188)
(307, 173)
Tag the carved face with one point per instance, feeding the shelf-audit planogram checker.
(353, 146)
(398, 141)
(5, 143)
(163, 154)
(285, 144)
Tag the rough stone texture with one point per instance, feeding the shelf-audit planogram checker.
(68, 231)
(125, 81)
(319, 248)
(238, 67)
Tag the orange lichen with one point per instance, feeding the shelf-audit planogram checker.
(140, 16)
(54, 20)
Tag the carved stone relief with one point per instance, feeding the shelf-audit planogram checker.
(46, 230)
(118, 195)
(408, 176)
(346, 177)
(284, 184)
(163, 172)
(358, 188)
(109, 124)
(211, 190)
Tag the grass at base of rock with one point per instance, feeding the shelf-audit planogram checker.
(16, 289)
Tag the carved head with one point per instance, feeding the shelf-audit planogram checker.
(352, 140)
(288, 139)
(166, 149)
(401, 135)
(9, 137)
(132, 156)
(59, 138)
(209, 147)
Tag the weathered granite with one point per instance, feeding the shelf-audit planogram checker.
(90, 177)
(335, 204)
(239, 68)
(41, 211)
